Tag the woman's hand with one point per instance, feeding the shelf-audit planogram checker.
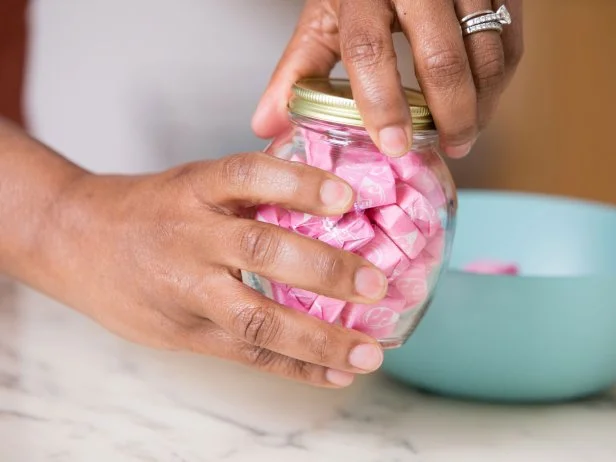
(461, 77)
(157, 259)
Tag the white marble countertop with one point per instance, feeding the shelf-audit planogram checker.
(69, 391)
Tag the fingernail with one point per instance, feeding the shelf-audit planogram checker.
(370, 283)
(366, 357)
(339, 378)
(459, 151)
(393, 141)
(335, 193)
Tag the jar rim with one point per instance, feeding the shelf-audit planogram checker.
(347, 133)
(331, 100)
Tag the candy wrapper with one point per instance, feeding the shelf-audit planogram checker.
(274, 215)
(492, 267)
(281, 293)
(406, 167)
(433, 254)
(305, 297)
(373, 182)
(311, 226)
(319, 151)
(375, 319)
(417, 207)
(412, 284)
(385, 255)
(428, 186)
(352, 232)
(327, 309)
(400, 228)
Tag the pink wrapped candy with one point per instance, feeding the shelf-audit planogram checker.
(384, 254)
(305, 297)
(274, 215)
(428, 186)
(492, 267)
(309, 225)
(352, 232)
(327, 309)
(373, 182)
(412, 284)
(433, 254)
(400, 228)
(318, 150)
(406, 167)
(281, 293)
(381, 316)
(418, 209)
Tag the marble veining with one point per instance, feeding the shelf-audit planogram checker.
(70, 391)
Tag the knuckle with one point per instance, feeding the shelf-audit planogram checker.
(260, 245)
(319, 345)
(187, 177)
(300, 369)
(259, 326)
(490, 70)
(330, 267)
(268, 360)
(262, 358)
(185, 173)
(366, 50)
(240, 171)
(444, 68)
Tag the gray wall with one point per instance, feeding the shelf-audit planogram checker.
(137, 85)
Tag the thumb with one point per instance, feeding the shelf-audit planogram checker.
(312, 52)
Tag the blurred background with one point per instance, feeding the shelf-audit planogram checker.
(552, 133)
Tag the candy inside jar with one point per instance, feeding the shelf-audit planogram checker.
(403, 216)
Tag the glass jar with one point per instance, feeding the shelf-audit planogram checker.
(403, 216)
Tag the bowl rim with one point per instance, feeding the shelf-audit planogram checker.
(562, 199)
(526, 195)
(565, 278)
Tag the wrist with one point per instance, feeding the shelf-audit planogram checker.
(32, 181)
(37, 231)
(83, 231)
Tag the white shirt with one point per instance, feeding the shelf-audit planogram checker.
(141, 85)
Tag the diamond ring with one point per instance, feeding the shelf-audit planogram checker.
(485, 20)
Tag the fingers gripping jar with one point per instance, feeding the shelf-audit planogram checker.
(403, 216)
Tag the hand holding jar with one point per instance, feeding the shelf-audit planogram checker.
(156, 258)
(464, 52)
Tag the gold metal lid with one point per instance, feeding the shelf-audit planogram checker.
(331, 100)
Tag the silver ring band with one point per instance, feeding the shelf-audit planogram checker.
(495, 26)
(485, 20)
(474, 15)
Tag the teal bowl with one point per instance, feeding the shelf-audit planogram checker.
(548, 334)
